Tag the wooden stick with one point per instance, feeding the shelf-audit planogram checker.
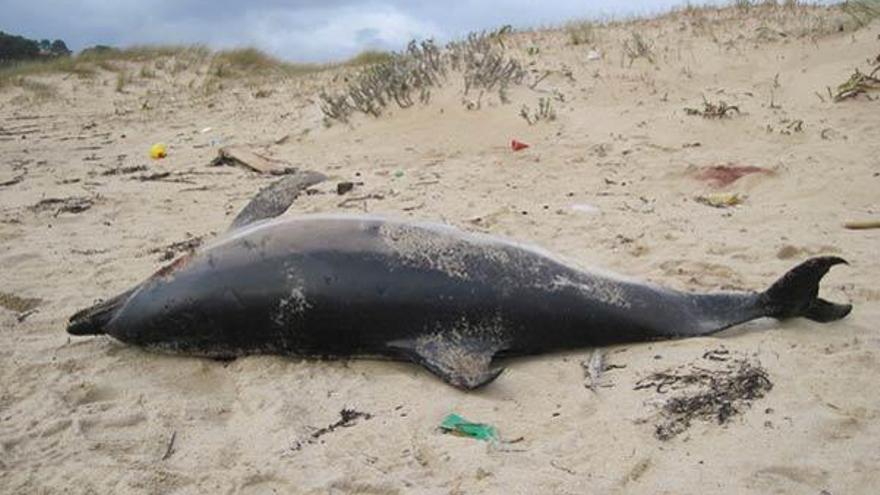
(170, 449)
(863, 224)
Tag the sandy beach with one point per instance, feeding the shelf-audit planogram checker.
(615, 177)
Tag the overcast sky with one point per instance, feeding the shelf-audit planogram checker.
(296, 30)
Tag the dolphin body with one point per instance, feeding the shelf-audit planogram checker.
(451, 301)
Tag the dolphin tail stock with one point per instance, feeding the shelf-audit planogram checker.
(795, 294)
(94, 319)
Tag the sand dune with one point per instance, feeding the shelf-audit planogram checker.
(90, 415)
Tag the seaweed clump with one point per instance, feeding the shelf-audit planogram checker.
(715, 389)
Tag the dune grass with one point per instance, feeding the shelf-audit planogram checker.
(11, 72)
(249, 61)
(863, 12)
(241, 63)
(368, 57)
(39, 91)
(89, 62)
(142, 53)
(253, 62)
(149, 61)
(580, 32)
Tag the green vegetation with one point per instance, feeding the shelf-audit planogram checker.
(140, 53)
(859, 83)
(581, 33)
(638, 47)
(711, 110)
(863, 12)
(131, 64)
(38, 90)
(243, 61)
(87, 63)
(369, 57)
(121, 80)
(410, 76)
(253, 62)
(544, 112)
(13, 48)
(405, 77)
(13, 74)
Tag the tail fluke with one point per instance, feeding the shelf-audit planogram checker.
(796, 293)
(93, 320)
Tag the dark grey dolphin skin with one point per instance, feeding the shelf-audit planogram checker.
(335, 285)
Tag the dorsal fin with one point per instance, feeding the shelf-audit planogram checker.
(277, 197)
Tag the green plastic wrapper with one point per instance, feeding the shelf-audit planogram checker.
(455, 424)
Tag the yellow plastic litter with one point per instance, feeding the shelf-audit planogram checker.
(158, 151)
(721, 199)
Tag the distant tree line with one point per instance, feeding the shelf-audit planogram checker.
(17, 48)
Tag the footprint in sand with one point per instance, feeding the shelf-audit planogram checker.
(88, 393)
(703, 275)
(789, 251)
(778, 477)
(259, 483)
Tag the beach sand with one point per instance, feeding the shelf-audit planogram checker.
(612, 182)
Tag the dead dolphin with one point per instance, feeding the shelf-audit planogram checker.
(337, 285)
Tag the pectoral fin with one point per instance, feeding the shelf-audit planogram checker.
(461, 362)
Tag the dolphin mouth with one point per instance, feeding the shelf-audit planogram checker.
(94, 319)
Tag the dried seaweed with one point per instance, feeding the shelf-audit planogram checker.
(711, 110)
(125, 170)
(71, 204)
(153, 176)
(346, 419)
(18, 304)
(13, 181)
(716, 389)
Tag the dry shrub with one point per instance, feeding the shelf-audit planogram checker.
(409, 76)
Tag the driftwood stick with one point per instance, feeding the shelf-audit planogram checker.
(863, 224)
(170, 449)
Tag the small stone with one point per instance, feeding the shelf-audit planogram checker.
(344, 187)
